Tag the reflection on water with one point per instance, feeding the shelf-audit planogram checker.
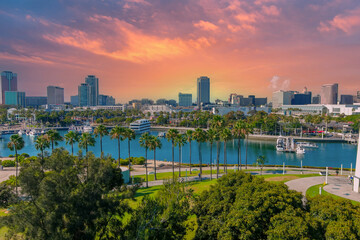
(328, 154)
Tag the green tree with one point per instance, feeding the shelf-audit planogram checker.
(16, 143)
(180, 142)
(171, 135)
(225, 136)
(86, 140)
(70, 201)
(7, 196)
(117, 133)
(129, 135)
(248, 130)
(144, 141)
(101, 131)
(41, 143)
(54, 138)
(200, 137)
(154, 144)
(217, 123)
(189, 138)
(211, 137)
(239, 132)
(71, 138)
(260, 161)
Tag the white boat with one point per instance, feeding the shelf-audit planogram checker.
(21, 132)
(285, 144)
(87, 129)
(307, 145)
(280, 144)
(34, 133)
(161, 134)
(300, 150)
(140, 126)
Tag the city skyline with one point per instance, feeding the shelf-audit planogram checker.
(156, 49)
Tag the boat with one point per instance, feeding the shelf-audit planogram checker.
(161, 134)
(300, 150)
(140, 126)
(307, 145)
(21, 132)
(34, 133)
(87, 129)
(285, 144)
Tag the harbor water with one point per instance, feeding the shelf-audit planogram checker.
(328, 154)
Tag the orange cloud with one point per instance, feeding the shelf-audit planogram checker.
(206, 26)
(343, 22)
(271, 10)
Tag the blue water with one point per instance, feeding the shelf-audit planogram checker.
(328, 154)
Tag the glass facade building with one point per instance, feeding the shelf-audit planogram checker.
(185, 99)
(15, 98)
(203, 90)
(8, 83)
(55, 95)
(93, 83)
(35, 102)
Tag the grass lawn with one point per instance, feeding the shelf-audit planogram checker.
(314, 191)
(3, 230)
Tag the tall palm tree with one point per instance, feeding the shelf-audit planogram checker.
(225, 136)
(171, 135)
(211, 137)
(71, 138)
(117, 133)
(248, 130)
(180, 142)
(217, 123)
(86, 140)
(41, 143)
(154, 144)
(200, 137)
(54, 137)
(144, 141)
(129, 135)
(239, 132)
(101, 131)
(16, 143)
(189, 138)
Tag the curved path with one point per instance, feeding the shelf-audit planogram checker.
(337, 185)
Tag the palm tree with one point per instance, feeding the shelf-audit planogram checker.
(171, 135)
(200, 136)
(86, 140)
(180, 141)
(71, 138)
(54, 138)
(248, 130)
(217, 124)
(238, 132)
(189, 138)
(154, 144)
(145, 143)
(101, 131)
(129, 135)
(41, 143)
(261, 161)
(225, 136)
(117, 133)
(16, 143)
(211, 136)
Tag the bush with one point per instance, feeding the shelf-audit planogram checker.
(134, 160)
(11, 155)
(8, 163)
(25, 155)
(124, 162)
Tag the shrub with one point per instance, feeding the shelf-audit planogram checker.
(25, 155)
(11, 155)
(124, 162)
(8, 163)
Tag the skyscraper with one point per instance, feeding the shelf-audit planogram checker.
(8, 83)
(84, 94)
(15, 98)
(281, 98)
(203, 90)
(93, 83)
(329, 93)
(185, 99)
(55, 95)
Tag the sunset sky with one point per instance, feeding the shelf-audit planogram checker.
(157, 48)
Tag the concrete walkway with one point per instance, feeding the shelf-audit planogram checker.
(337, 185)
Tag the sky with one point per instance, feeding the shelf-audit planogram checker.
(158, 48)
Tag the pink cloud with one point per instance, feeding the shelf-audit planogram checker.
(271, 10)
(206, 26)
(344, 22)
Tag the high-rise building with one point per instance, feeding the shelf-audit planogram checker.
(301, 98)
(55, 95)
(15, 98)
(84, 94)
(316, 99)
(203, 90)
(35, 102)
(105, 100)
(185, 99)
(8, 83)
(93, 83)
(346, 99)
(282, 98)
(329, 93)
(74, 100)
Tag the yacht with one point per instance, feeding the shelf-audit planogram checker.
(280, 144)
(285, 144)
(307, 145)
(140, 126)
(161, 134)
(34, 133)
(87, 129)
(21, 132)
(300, 150)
